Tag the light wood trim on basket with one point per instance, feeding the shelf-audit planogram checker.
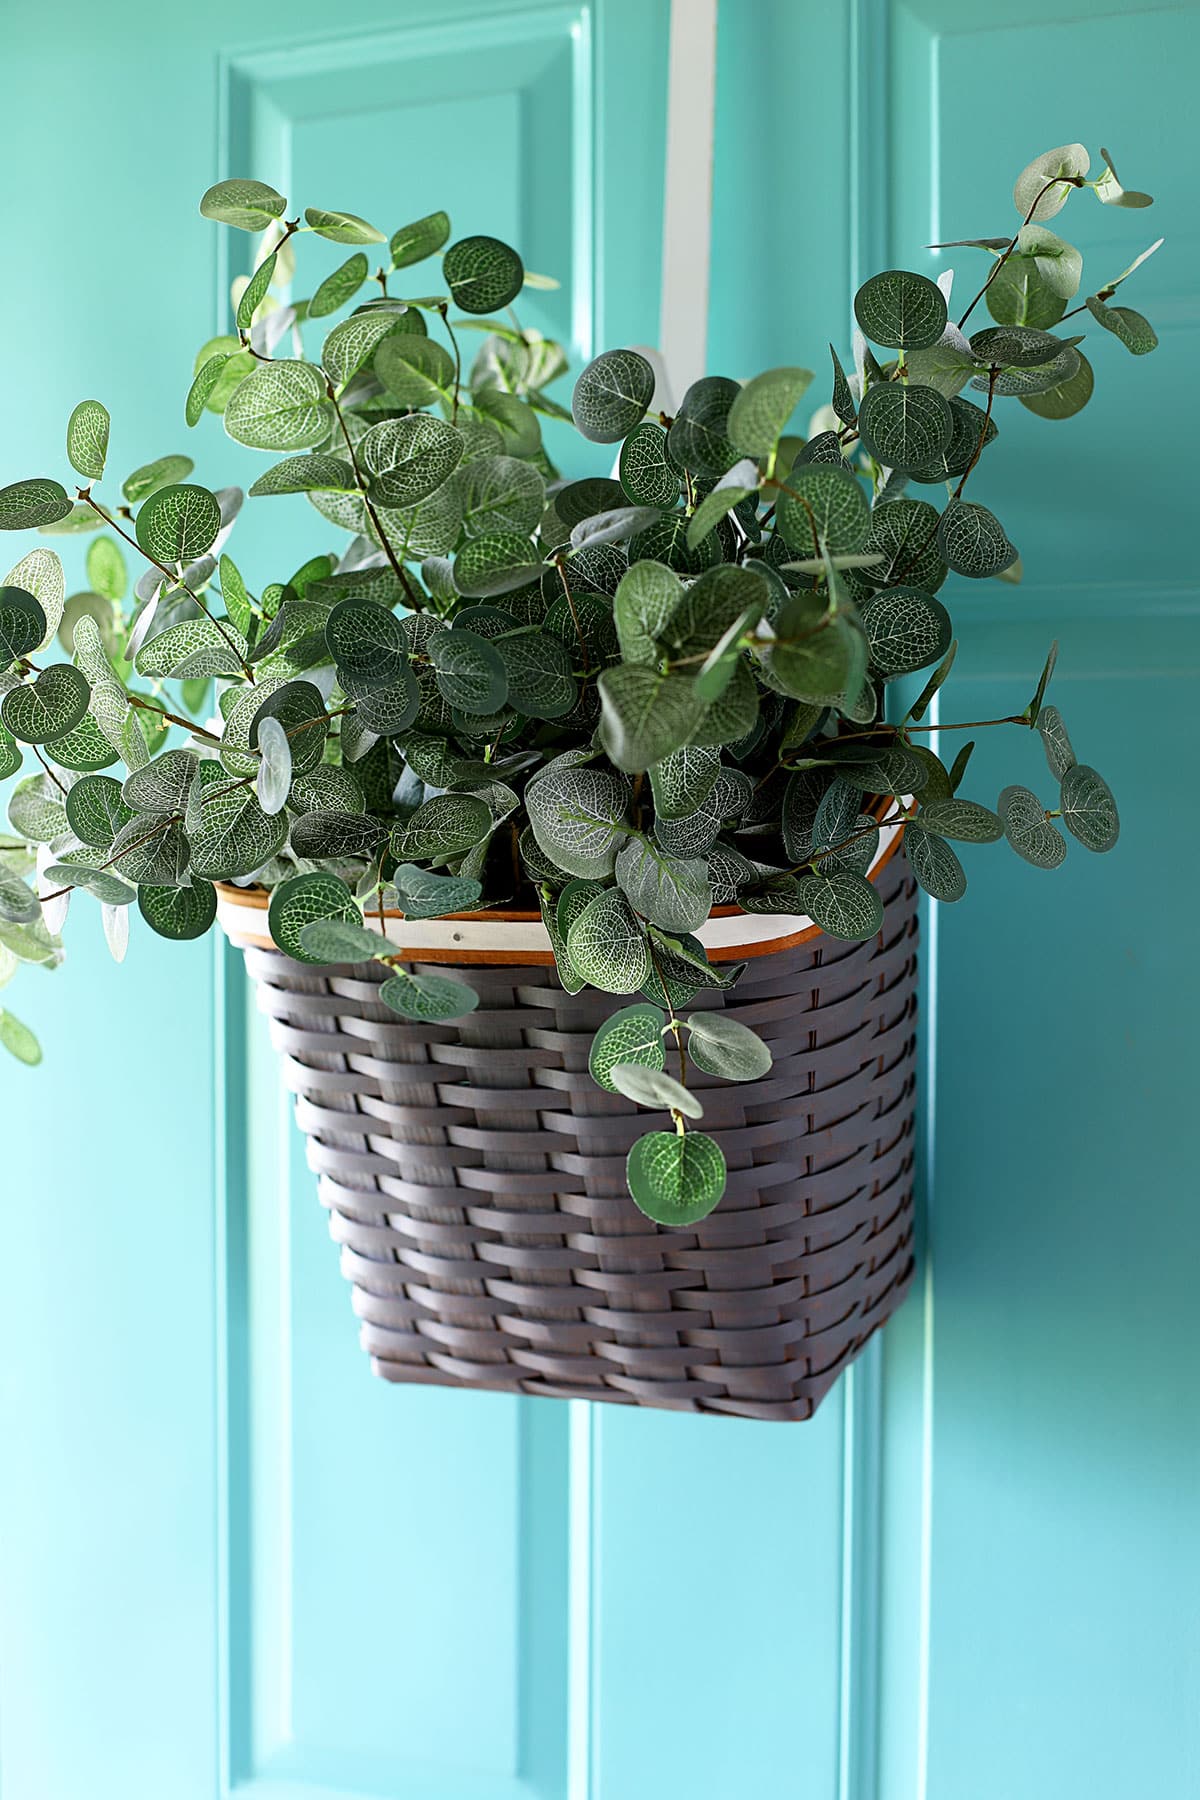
(515, 938)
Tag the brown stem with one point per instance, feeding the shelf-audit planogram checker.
(171, 718)
(50, 772)
(175, 580)
(384, 541)
(445, 312)
(560, 563)
(1070, 180)
(160, 825)
(992, 374)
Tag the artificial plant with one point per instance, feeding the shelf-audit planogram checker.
(634, 696)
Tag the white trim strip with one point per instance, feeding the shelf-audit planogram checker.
(687, 198)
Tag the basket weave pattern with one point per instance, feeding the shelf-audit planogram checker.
(474, 1176)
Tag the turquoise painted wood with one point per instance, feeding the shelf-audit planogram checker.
(232, 1562)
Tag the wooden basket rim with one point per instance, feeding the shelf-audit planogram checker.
(241, 915)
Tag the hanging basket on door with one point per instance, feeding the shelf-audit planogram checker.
(475, 1174)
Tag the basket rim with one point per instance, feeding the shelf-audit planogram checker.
(516, 937)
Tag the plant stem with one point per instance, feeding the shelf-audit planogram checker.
(160, 825)
(978, 452)
(1071, 180)
(50, 772)
(384, 541)
(85, 494)
(444, 310)
(560, 563)
(171, 718)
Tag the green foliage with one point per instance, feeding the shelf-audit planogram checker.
(624, 697)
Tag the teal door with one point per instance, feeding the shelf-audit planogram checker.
(229, 1559)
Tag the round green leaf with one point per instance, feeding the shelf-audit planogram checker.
(235, 836)
(416, 371)
(334, 937)
(607, 945)
(653, 1087)
(648, 475)
(1028, 829)
(540, 682)
(901, 310)
(843, 905)
(762, 409)
(1037, 195)
(27, 504)
(611, 395)
(47, 707)
(673, 892)
(304, 474)
(204, 384)
(632, 1035)
(1088, 809)
(1135, 332)
(723, 1046)
(495, 563)
(906, 630)
(250, 205)
(676, 1179)
(97, 810)
(409, 458)
(972, 431)
(469, 671)
(341, 227)
(1055, 741)
(153, 850)
(179, 913)
(255, 292)
(441, 828)
(972, 540)
(40, 574)
(385, 711)
(1066, 397)
(935, 864)
(18, 1040)
(424, 895)
(303, 899)
(366, 641)
(23, 624)
(645, 600)
(351, 345)
(699, 437)
(413, 243)
(483, 274)
(964, 820)
(280, 406)
(904, 427)
(577, 817)
(645, 714)
(10, 755)
(339, 287)
(162, 786)
(428, 998)
(163, 472)
(333, 835)
(501, 494)
(18, 903)
(823, 508)
(178, 524)
(87, 439)
(903, 533)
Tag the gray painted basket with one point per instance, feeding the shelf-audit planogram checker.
(474, 1176)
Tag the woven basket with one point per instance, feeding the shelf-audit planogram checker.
(474, 1176)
